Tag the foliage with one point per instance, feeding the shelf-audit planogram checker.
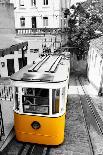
(82, 25)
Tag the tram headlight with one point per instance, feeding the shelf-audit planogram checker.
(35, 125)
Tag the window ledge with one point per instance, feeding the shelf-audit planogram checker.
(45, 6)
(34, 6)
(22, 7)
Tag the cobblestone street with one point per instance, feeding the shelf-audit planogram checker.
(76, 141)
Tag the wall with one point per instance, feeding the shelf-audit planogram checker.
(78, 66)
(95, 63)
(7, 24)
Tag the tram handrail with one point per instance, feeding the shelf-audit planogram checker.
(33, 66)
(53, 69)
(38, 65)
(55, 65)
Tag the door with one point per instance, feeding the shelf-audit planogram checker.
(10, 66)
(33, 22)
(20, 62)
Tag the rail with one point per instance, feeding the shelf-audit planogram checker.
(35, 67)
(18, 148)
(40, 31)
(54, 66)
(88, 105)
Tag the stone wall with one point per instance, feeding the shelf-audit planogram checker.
(95, 63)
(7, 22)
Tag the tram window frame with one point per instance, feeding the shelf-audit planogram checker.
(33, 98)
(63, 98)
(17, 99)
(55, 104)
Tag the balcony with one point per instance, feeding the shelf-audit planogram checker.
(40, 31)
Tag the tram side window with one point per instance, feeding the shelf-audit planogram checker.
(16, 99)
(35, 100)
(63, 102)
(55, 100)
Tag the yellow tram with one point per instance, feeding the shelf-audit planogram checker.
(40, 96)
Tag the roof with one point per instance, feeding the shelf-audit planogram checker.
(52, 68)
(10, 43)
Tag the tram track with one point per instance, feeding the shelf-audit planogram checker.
(87, 103)
(18, 148)
(93, 109)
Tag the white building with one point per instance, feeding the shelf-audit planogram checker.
(40, 13)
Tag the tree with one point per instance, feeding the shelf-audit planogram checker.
(82, 25)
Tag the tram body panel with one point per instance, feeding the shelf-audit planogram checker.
(40, 96)
(51, 131)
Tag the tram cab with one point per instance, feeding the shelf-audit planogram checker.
(40, 96)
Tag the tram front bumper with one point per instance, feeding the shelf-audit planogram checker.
(51, 131)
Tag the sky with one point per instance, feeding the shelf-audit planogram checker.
(75, 1)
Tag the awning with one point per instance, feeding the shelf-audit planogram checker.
(9, 44)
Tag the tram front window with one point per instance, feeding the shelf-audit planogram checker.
(35, 100)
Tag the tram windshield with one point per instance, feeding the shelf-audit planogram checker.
(35, 100)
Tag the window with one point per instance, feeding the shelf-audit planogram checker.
(35, 100)
(21, 2)
(33, 2)
(45, 21)
(22, 21)
(45, 2)
(34, 50)
(55, 100)
(3, 64)
(63, 95)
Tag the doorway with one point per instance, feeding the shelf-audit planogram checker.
(10, 66)
(21, 62)
(33, 22)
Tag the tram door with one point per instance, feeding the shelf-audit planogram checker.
(33, 22)
(10, 66)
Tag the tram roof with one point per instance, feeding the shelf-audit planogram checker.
(52, 68)
(9, 43)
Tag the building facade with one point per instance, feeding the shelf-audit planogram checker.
(11, 48)
(40, 13)
(95, 64)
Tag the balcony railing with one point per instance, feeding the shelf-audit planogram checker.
(40, 31)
